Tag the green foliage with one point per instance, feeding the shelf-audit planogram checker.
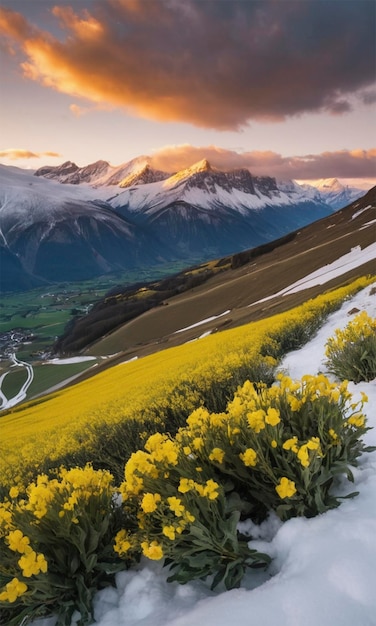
(184, 517)
(351, 353)
(57, 546)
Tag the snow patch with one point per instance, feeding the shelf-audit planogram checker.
(208, 319)
(343, 264)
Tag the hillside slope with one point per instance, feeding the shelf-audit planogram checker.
(239, 284)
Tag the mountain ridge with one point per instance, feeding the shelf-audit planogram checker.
(65, 221)
(101, 173)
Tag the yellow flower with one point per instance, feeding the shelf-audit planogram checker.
(210, 489)
(32, 564)
(188, 517)
(357, 420)
(150, 501)
(272, 417)
(187, 450)
(122, 542)
(71, 502)
(169, 531)
(18, 542)
(256, 420)
(217, 455)
(152, 550)
(285, 488)
(249, 457)
(176, 506)
(186, 484)
(14, 492)
(197, 443)
(303, 455)
(333, 435)
(294, 402)
(291, 444)
(13, 590)
(5, 516)
(274, 444)
(313, 443)
(334, 395)
(167, 452)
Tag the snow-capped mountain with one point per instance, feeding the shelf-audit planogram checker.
(69, 222)
(102, 174)
(54, 232)
(202, 207)
(334, 193)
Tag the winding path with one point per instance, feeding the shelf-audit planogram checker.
(7, 403)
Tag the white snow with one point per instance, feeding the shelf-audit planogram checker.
(73, 359)
(361, 211)
(343, 264)
(208, 319)
(368, 224)
(134, 358)
(323, 569)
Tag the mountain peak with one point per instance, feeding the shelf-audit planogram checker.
(327, 184)
(51, 171)
(201, 166)
(197, 168)
(143, 176)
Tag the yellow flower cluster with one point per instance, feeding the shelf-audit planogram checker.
(31, 563)
(359, 328)
(124, 542)
(13, 590)
(351, 352)
(152, 550)
(297, 425)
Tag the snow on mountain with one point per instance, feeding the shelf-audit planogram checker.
(334, 193)
(138, 172)
(204, 210)
(58, 232)
(209, 188)
(145, 175)
(101, 173)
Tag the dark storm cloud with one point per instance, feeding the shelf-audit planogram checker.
(212, 63)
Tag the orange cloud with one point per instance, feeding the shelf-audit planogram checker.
(18, 153)
(212, 64)
(340, 164)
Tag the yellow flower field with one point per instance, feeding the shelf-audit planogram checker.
(57, 424)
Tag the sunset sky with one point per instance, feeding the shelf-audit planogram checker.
(283, 87)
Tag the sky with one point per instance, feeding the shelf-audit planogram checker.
(282, 87)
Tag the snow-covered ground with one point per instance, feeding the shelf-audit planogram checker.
(356, 257)
(323, 571)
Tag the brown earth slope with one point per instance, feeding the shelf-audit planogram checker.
(239, 290)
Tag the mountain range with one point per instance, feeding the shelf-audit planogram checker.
(70, 223)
